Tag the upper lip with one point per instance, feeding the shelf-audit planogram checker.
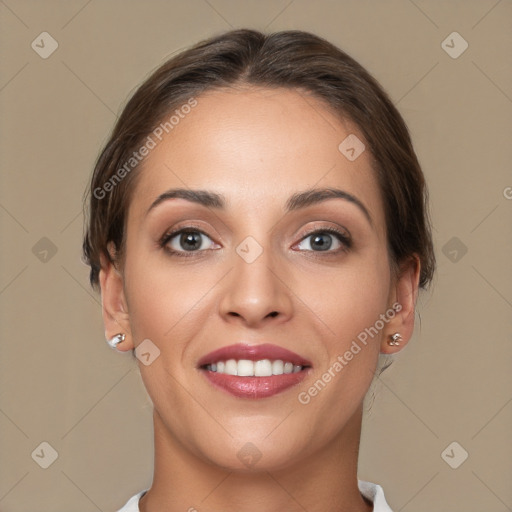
(253, 353)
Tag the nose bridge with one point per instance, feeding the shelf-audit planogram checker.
(253, 276)
(255, 289)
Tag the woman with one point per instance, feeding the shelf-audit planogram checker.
(258, 231)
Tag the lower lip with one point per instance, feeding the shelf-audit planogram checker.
(255, 387)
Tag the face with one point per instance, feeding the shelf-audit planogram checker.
(252, 269)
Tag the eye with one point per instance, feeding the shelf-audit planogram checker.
(321, 240)
(185, 241)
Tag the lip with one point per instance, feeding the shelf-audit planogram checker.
(254, 387)
(253, 353)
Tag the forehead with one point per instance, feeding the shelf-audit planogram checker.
(256, 147)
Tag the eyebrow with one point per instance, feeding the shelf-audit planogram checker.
(295, 202)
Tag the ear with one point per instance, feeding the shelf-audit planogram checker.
(113, 301)
(403, 295)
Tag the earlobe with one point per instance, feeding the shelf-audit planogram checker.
(404, 294)
(113, 302)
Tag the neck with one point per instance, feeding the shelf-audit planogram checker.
(323, 482)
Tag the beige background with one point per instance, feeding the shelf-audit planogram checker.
(59, 381)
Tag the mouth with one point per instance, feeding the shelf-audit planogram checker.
(254, 371)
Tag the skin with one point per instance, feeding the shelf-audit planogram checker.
(256, 147)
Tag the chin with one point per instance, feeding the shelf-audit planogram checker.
(252, 454)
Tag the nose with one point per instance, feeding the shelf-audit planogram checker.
(256, 293)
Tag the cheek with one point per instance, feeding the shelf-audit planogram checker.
(348, 298)
(160, 292)
(350, 301)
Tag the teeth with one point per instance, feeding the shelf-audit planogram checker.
(277, 367)
(263, 368)
(247, 368)
(231, 367)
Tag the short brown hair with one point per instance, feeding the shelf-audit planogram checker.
(290, 59)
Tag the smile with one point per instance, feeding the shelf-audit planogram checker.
(253, 371)
(261, 368)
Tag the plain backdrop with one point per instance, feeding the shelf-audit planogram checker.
(448, 394)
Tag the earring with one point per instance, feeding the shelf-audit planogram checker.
(115, 340)
(395, 339)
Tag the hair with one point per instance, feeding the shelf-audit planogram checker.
(288, 59)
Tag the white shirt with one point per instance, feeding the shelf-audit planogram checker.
(373, 492)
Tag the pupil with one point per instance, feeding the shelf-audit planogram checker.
(189, 238)
(323, 246)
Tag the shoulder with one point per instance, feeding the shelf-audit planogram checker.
(132, 505)
(375, 494)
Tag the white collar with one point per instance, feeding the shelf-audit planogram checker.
(373, 492)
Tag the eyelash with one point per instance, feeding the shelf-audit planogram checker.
(343, 238)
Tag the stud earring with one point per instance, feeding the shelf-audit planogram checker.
(395, 339)
(115, 340)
